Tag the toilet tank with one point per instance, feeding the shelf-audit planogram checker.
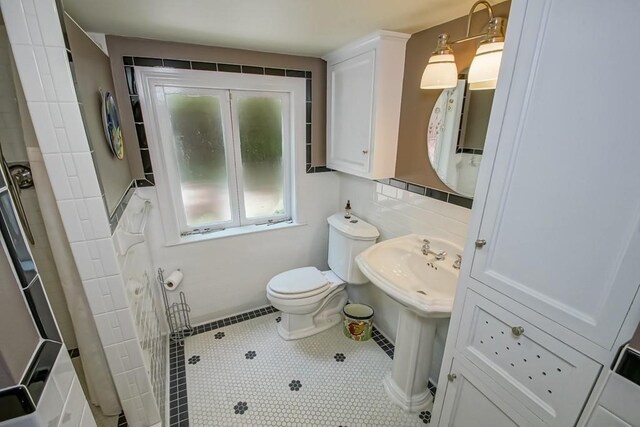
(347, 238)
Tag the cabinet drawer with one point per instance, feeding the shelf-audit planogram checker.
(552, 379)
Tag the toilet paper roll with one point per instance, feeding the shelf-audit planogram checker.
(173, 281)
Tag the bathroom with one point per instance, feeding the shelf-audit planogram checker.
(302, 213)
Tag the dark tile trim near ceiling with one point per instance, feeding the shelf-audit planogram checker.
(130, 62)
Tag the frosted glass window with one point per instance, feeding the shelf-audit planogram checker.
(199, 146)
(260, 128)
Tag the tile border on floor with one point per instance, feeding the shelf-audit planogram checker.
(178, 406)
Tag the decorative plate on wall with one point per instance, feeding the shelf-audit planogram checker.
(111, 124)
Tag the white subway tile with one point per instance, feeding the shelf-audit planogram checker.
(98, 217)
(87, 417)
(71, 221)
(108, 256)
(94, 296)
(83, 260)
(50, 406)
(33, 28)
(73, 406)
(125, 321)
(117, 358)
(151, 408)
(63, 373)
(69, 165)
(87, 174)
(61, 73)
(14, 18)
(97, 266)
(76, 187)
(49, 23)
(117, 291)
(87, 229)
(75, 129)
(57, 176)
(56, 115)
(29, 77)
(134, 354)
(108, 328)
(63, 140)
(29, 7)
(94, 252)
(81, 206)
(43, 126)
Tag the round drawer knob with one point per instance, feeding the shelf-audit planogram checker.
(451, 377)
(517, 330)
(365, 151)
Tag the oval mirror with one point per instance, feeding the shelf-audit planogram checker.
(456, 134)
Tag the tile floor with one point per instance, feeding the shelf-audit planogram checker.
(240, 372)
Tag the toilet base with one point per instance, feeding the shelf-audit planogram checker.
(296, 326)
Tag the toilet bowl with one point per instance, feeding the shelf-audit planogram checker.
(311, 300)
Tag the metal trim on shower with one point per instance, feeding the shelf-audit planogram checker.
(14, 191)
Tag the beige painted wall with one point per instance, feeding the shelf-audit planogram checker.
(93, 72)
(412, 163)
(126, 46)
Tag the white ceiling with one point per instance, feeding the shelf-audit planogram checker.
(303, 27)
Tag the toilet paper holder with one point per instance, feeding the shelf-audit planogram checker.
(177, 314)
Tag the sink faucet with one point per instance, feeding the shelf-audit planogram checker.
(457, 262)
(426, 250)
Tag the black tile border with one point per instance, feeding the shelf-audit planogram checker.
(131, 61)
(122, 420)
(73, 353)
(443, 196)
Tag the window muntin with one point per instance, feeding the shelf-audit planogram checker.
(227, 155)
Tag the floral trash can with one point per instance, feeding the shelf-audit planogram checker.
(358, 321)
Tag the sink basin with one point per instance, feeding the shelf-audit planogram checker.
(417, 281)
(425, 286)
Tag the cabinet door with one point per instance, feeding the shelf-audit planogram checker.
(351, 91)
(561, 215)
(469, 401)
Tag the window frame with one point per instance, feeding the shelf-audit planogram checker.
(163, 157)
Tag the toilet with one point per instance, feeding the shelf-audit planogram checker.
(311, 300)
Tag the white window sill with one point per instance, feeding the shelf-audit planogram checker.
(231, 232)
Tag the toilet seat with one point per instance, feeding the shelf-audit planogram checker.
(299, 283)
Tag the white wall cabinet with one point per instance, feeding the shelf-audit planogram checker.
(554, 239)
(364, 89)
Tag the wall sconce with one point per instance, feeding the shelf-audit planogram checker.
(441, 71)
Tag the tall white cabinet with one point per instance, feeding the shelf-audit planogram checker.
(551, 268)
(364, 90)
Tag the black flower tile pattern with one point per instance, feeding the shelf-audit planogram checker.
(241, 408)
(250, 354)
(207, 407)
(340, 357)
(295, 385)
(219, 335)
(278, 319)
(425, 416)
(194, 359)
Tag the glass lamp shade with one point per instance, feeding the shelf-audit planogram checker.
(440, 73)
(483, 73)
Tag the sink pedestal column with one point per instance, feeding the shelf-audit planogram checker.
(406, 384)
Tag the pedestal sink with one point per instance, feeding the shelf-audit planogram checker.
(425, 287)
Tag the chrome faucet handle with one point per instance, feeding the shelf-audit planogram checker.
(441, 255)
(457, 262)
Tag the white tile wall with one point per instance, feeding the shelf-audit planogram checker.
(39, 51)
(396, 212)
(63, 402)
(147, 307)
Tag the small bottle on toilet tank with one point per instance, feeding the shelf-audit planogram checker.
(347, 210)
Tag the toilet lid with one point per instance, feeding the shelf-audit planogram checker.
(299, 281)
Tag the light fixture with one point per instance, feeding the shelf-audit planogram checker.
(441, 71)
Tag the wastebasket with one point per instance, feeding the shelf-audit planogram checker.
(358, 321)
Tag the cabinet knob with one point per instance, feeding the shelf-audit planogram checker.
(365, 151)
(517, 330)
(451, 377)
(480, 243)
